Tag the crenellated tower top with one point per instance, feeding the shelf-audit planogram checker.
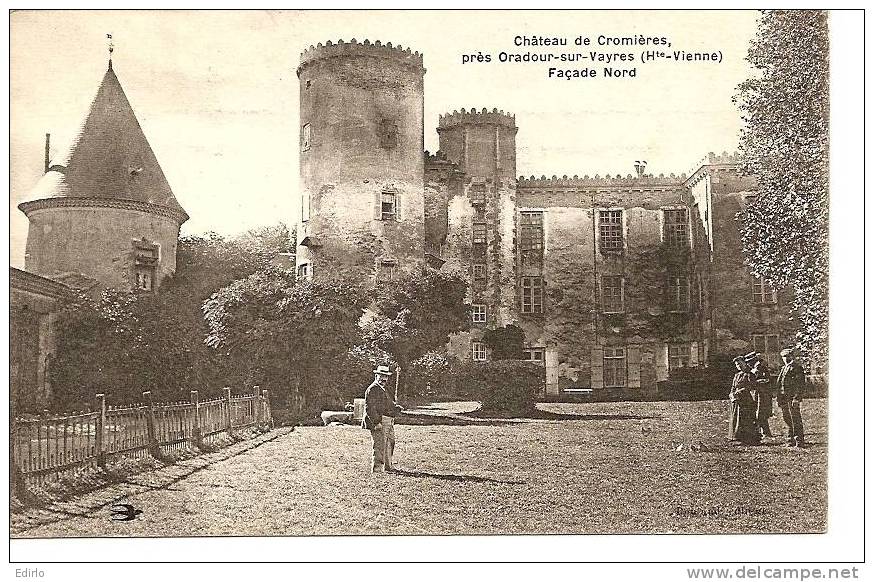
(483, 117)
(402, 56)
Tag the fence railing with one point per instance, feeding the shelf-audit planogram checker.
(50, 447)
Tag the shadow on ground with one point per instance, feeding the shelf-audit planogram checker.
(485, 418)
(450, 420)
(538, 414)
(452, 477)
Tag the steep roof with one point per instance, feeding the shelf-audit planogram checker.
(108, 158)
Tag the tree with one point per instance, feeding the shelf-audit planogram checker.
(125, 343)
(784, 143)
(505, 343)
(290, 336)
(417, 313)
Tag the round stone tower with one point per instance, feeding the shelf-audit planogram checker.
(361, 159)
(483, 143)
(103, 210)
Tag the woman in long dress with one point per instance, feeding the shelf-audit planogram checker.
(742, 408)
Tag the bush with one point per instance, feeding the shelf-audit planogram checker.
(430, 376)
(501, 385)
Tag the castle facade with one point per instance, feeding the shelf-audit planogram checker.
(618, 282)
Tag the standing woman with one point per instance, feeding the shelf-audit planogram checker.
(742, 409)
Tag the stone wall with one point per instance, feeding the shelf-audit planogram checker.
(98, 242)
(34, 302)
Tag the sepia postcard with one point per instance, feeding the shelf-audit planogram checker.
(419, 273)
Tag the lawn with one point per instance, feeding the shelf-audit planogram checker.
(574, 468)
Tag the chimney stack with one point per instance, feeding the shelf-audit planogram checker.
(639, 167)
(48, 140)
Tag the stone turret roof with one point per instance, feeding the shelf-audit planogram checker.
(108, 160)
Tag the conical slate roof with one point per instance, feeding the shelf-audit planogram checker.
(109, 158)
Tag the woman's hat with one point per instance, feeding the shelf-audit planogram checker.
(739, 359)
(383, 370)
(751, 357)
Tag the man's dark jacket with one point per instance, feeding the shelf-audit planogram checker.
(377, 403)
(790, 381)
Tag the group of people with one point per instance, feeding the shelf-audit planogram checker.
(752, 391)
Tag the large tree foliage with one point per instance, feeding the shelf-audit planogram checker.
(124, 343)
(291, 336)
(784, 143)
(416, 313)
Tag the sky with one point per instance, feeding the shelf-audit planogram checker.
(217, 95)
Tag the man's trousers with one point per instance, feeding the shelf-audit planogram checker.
(383, 441)
(792, 417)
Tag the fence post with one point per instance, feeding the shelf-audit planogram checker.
(99, 441)
(196, 400)
(154, 449)
(268, 414)
(256, 405)
(230, 413)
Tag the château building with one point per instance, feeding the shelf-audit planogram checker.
(616, 281)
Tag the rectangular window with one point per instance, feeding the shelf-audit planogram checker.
(305, 206)
(306, 135)
(531, 238)
(479, 234)
(678, 292)
(387, 270)
(532, 295)
(612, 294)
(303, 270)
(478, 312)
(676, 228)
(145, 265)
(610, 227)
(388, 206)
(533, 354)
(145, 278)
(679, 356)
(614, 367)
(478, 351)
(478, 194)
(763, 294)
(769, 346)
(479, 273)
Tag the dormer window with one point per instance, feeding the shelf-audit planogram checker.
(145, 266)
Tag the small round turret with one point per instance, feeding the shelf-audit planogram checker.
(482, 143)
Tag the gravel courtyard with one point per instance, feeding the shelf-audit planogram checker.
(574, 468)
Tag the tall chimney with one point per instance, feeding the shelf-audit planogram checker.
(48, 140)
(640, 166)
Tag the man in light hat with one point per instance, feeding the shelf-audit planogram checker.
(790, 390)
(379, 412)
